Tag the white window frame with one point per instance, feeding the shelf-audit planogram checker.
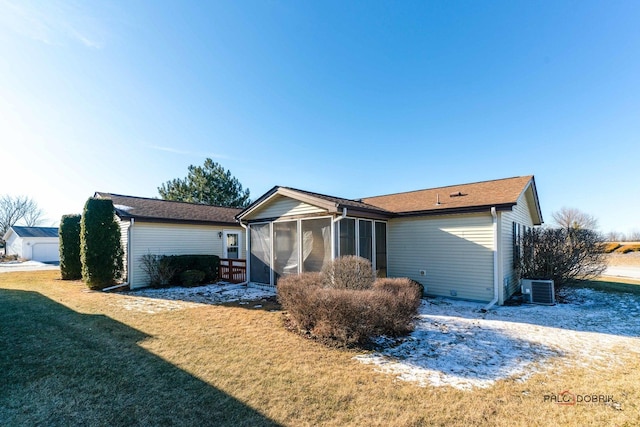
(225, 233)
(373, 222)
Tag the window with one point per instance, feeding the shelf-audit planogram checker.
(381, 249)
(260, 253)
(316, 243)
(518, 235)
(285, 248)
(231, 244)
(347, 237)
(365, 237)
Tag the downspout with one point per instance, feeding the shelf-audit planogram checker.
(129, 261)
(247, 259)
(496, 283)
(338, 218)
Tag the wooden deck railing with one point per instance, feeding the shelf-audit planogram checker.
(233, 270)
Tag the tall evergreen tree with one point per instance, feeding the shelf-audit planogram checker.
(209, 184)
(70, 264)
(100, 247)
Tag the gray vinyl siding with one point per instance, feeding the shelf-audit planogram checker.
(455, 251)
(522, 215)
(173, 239)
(283, 206)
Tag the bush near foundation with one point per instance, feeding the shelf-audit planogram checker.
(167, 270)
(348, 316)
(158, 269)
(208, 264)
(191, 278)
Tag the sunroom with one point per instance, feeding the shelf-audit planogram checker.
(291, 231)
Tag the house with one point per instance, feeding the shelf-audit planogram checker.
(458, 241)
(33, 243)
(164, 227)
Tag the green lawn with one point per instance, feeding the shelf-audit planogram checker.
(610, 284)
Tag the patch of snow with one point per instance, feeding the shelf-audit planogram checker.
(124, 208)
(176, 298)
(12, 266)
(456, 344)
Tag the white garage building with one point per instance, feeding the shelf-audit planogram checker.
(33, 243)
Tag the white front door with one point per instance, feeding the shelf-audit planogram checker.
(231, 242)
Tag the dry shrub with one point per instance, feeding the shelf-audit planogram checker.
(7, 258)
(158, 268)
(348, 272)
(296, 293)
(349, 316)
(402, 298)
(346, 316)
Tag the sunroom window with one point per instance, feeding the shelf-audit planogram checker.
(285, 248)
(347, 237)
(260, 253)
(381, 249)
(365, 239)
(316, 243)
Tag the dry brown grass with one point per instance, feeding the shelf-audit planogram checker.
(245, 361)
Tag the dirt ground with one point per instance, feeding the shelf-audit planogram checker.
(631, 259)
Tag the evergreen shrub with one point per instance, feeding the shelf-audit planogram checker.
(100, 247)
(70, 263)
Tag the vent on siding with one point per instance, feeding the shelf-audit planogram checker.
(538, 291)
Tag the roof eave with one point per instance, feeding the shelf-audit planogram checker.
(367, 213)
(178, 221)
(458, 210)
(8, 234)
(534, 191)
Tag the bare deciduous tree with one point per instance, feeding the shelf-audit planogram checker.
(615, 236)
(19, 208)
(575, 219)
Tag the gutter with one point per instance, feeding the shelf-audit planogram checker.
(496, 283)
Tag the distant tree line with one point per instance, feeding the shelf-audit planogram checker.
(616, 236)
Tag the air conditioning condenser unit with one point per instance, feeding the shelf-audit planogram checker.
(538, 291)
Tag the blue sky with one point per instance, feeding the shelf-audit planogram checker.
(351, 99)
